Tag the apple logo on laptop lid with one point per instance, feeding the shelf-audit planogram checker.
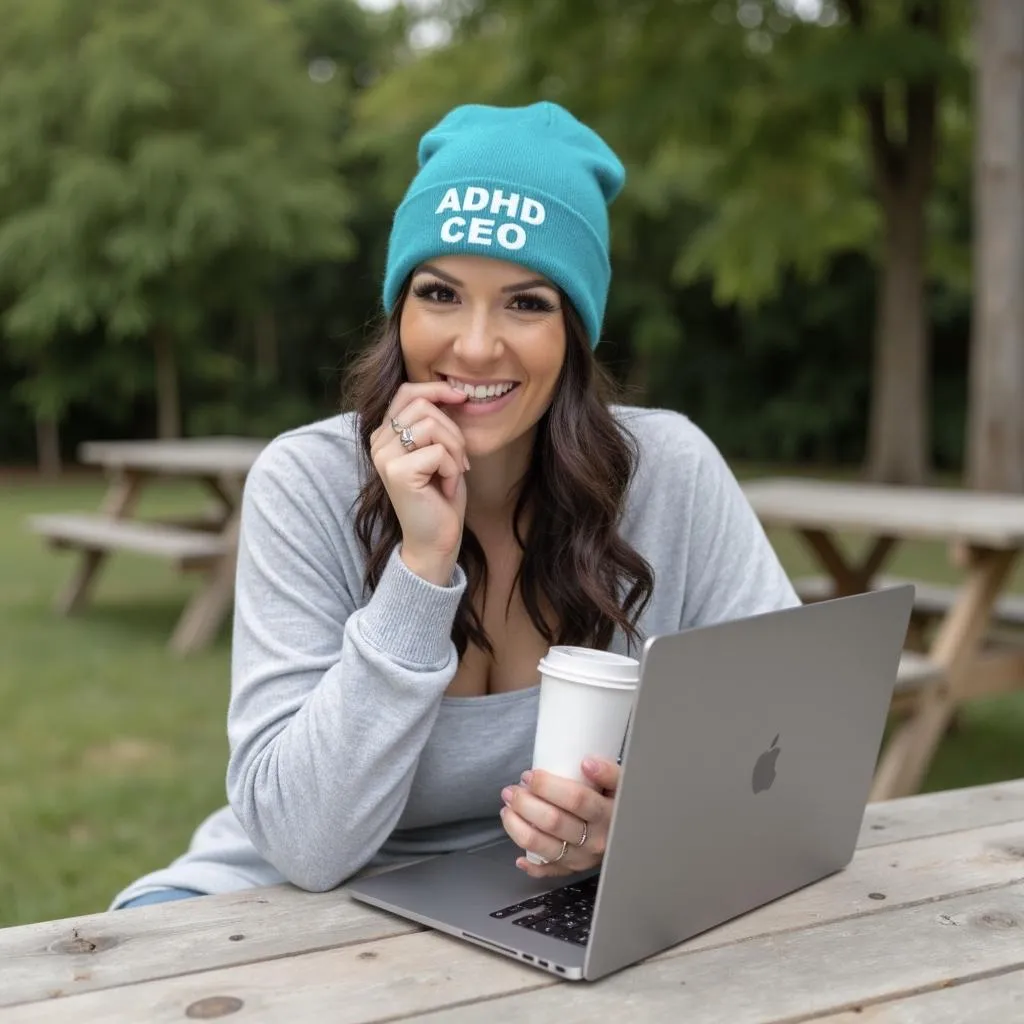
(764, 769)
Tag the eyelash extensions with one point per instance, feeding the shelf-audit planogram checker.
(426, 289)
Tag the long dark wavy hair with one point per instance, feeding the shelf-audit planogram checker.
(575, 489)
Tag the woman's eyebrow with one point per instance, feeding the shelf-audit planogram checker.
(429, 268)
(535, 282)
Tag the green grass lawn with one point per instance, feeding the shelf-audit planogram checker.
(113, 750)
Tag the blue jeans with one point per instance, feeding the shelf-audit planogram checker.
(160, 896)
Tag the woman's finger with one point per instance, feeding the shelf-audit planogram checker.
(419, 467)
(544, 816)
(526, 836)
(577, 798)
(431, 393)
(423, 434)
(431, 390)
(416, 410)
(440, 430)
(602, 772)
(392, 428)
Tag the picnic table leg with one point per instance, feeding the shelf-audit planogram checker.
(118, 502)
(227, 489)
(848, 577)
(205, 612)
(856, 578)
(909, 753)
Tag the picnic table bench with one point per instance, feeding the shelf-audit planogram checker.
(931, 600)
(959, 663)
(95, 532)
(924, 925)
(206, 542)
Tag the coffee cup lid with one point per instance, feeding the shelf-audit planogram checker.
(588, 665)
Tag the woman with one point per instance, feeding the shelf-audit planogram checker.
(402, 569)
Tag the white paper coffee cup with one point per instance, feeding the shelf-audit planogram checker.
(586, 697)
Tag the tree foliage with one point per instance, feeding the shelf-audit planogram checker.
(248, 200)
(159, 162)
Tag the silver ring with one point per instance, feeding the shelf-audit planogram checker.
(565, 846)
(396, 426)
(406, 441)
(583, 838)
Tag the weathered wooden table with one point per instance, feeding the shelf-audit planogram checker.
(989, 531)
(207, 542)
(926, 924)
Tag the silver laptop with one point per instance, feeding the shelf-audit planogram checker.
(745, 774)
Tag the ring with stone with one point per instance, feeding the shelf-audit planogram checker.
(406, 441)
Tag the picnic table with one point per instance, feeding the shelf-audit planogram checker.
(924, 925)
(958, 663)
(206, 542)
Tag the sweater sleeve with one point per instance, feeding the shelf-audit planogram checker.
(332, 697)
(733, 570)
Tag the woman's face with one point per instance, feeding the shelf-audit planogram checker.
(492, 329)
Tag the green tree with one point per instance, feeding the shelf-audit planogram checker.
(159, 163)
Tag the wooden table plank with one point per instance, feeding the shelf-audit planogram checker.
(191, 456)
(929, 814)
(152, 942)
(927, 513)
(901, 874)
(921, 833)
(425, 976)
(53, 958)
(908, 873)
(917, 852)
(782, 978)
(998, 1000)
(370, 981)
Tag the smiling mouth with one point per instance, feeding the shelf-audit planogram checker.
(481, 394)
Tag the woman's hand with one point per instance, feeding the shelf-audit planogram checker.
(425, 480)
(547, 810)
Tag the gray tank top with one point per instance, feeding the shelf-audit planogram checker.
(485, 743)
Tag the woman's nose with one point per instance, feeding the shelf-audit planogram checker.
(477, 339)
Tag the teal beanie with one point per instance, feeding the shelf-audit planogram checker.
(530, 185)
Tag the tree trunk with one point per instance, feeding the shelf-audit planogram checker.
(168, 400)
(899, 435)
(48, 446)
(903, 164)
(995, 448)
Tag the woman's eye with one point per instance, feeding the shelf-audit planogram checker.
(531, 304)
(435, 293)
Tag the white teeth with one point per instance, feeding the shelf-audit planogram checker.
(481, 391)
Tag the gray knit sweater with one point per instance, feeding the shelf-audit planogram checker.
(344, 750)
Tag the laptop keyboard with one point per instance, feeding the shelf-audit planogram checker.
(562, 913)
